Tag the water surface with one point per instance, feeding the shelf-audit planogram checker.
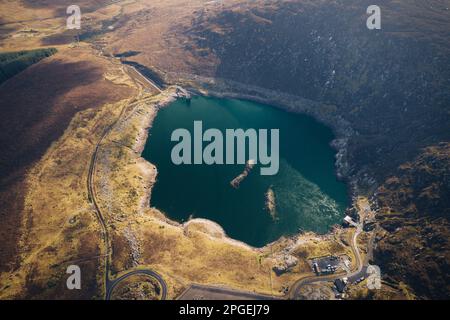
(307, 193)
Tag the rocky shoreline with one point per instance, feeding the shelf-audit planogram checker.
(326, 114)
(216, 232)
(190, 85)
(149, 172)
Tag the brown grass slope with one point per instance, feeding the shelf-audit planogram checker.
(37, 106)
(414, 244)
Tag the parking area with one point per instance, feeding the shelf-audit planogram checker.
(202, 292)
(325, 265)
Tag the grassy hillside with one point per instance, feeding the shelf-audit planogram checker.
(11, 63)
(392, 84)
(414, 242)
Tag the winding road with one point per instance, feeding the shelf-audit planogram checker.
(359, 272)
(113, 283)
(110, 284)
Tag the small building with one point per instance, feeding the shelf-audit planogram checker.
(316, 268)
(325, 265)
(340, 285)
(350, 221)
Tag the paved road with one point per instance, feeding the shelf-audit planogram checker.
(113, 283)
(358, 273)
(356, 250)
(196, 292)
(108, 283)
(93, 200)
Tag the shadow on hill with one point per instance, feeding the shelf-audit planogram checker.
(37, 106)
(387, 83)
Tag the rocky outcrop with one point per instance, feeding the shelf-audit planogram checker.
(323, 53)
(271, 203)
(413, 244)
(248, 167)
(384, 93)
(284, 263)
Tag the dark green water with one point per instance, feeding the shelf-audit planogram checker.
(308, 196)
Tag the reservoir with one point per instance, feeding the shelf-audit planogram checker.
(305, 193)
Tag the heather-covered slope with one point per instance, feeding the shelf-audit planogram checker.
(414, 242)
(36, 107)
(390, 86)
(393, 87)
(393, 84)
